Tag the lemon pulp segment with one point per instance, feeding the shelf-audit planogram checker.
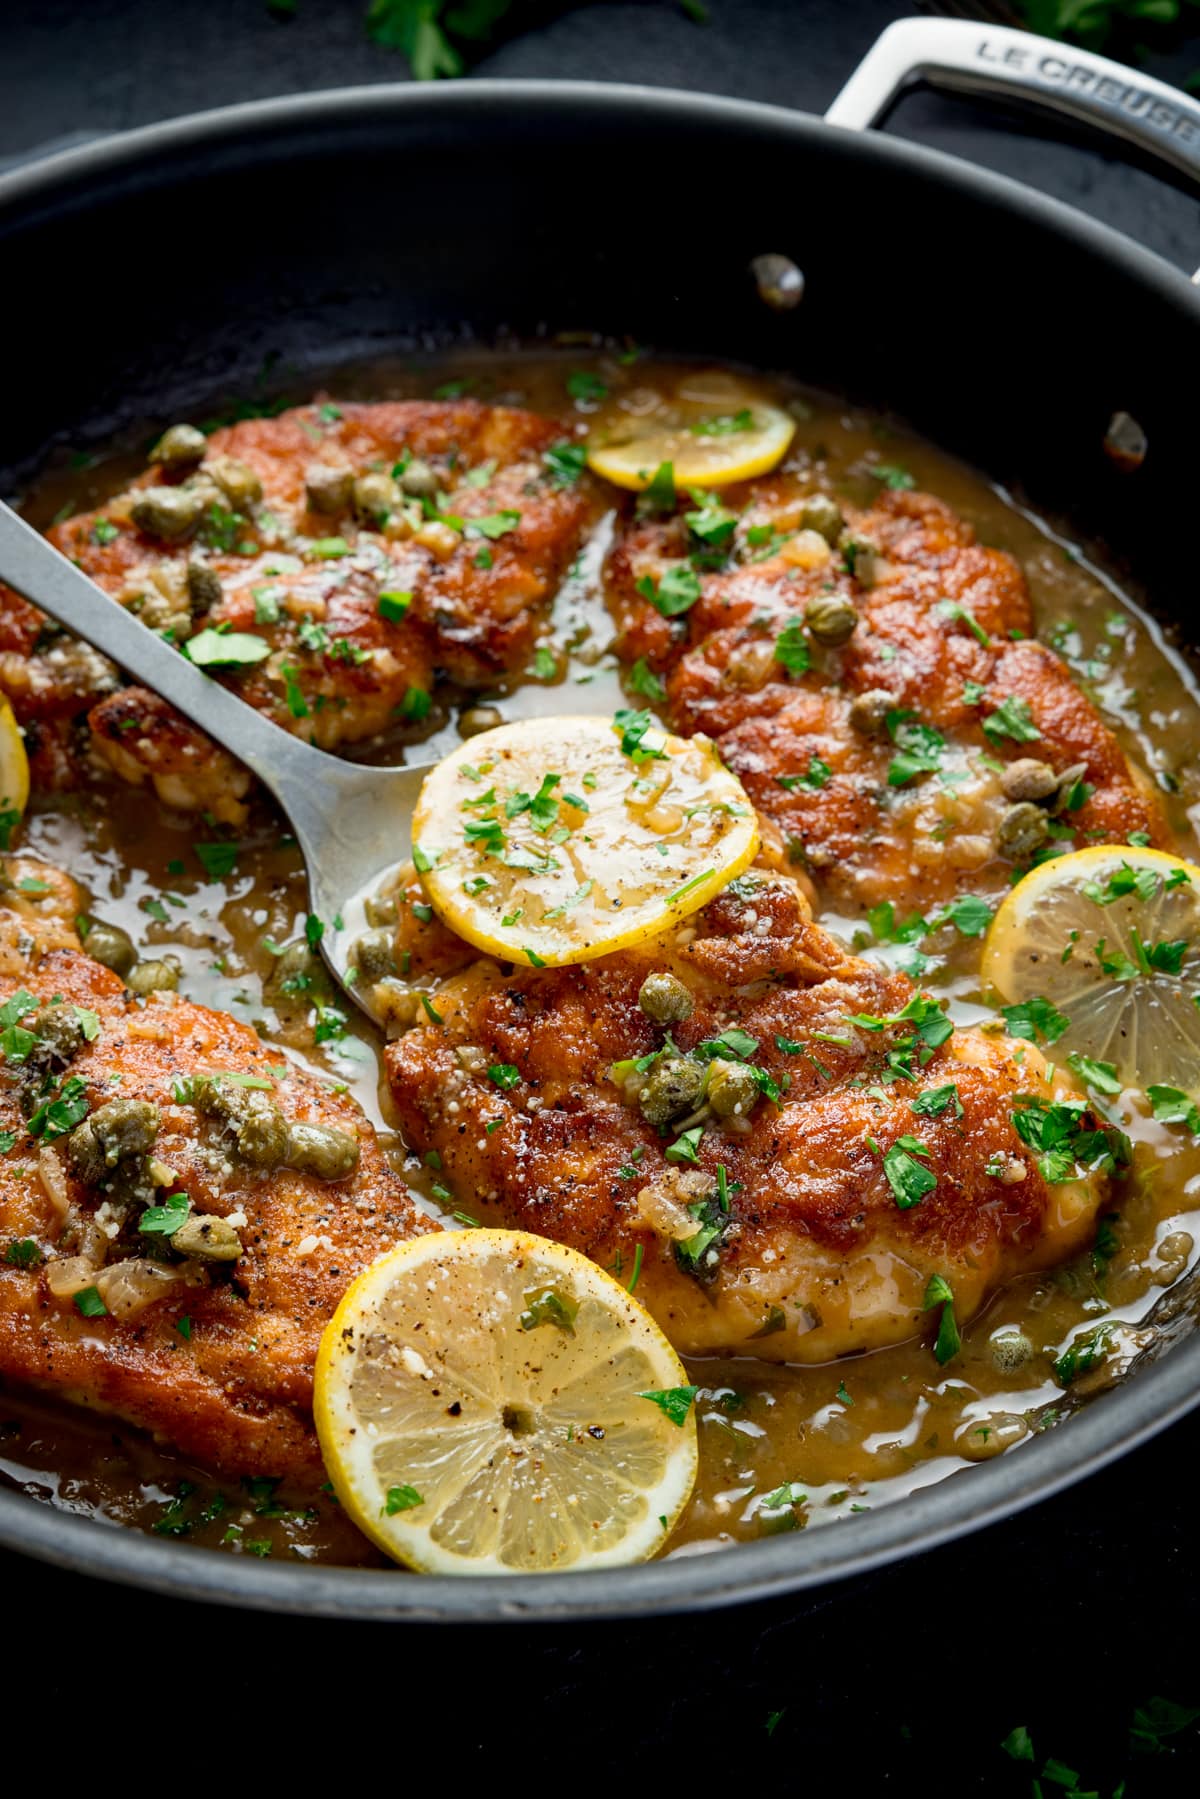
(480, 1406)
(14, 767)
(713, 430)
(547, 841)
(1111, 937)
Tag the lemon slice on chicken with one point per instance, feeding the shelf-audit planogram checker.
(555, 840)
(492, 1403)
(14, 771)
(1110, 936)
(712, 431)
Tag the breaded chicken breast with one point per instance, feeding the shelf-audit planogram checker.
(873, 679)
(783, 1161)
(328, 564)
(180, 1210)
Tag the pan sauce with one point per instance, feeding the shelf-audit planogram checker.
(847, 1436)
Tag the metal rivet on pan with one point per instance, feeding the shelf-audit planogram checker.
(1125, 442)
(780, 283)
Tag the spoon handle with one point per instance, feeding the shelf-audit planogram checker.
(30, 564)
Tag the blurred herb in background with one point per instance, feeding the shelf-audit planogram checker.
(1129, 29)
(437, 36)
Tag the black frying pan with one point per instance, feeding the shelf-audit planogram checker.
(145, 274)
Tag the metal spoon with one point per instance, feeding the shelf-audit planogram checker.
(351, 822)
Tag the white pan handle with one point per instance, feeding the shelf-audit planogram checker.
(1016, 65)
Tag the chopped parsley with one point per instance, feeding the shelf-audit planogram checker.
(675, 592)
(948, 1342)
(217, 859)
(493, 524)
(1172, 1106)
(1035, 1020)
(791, 648)
(919, 748)
(165, 1220)
(89, 1304)
(892, 475)
(1064, 1138)
(401, 1499)
(675, 1402)
(545, 1306)
(818, 774)
(1087, 1351)
(1012, 718)
(415, 705)
(565, 463)
(643, 680)
(909, 1180)
(216, 648)
(936, 1100)
(1100, 1075)
(583, 385)
(633, 727)
(55, 1117)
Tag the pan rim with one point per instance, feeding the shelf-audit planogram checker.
(1115, 1423)
(117, 151)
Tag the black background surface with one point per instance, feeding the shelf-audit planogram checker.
(1064, 1619)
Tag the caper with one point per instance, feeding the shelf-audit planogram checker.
(154, 976)
(981, 1438)
(1022, 830)
(204, 586)
(328, 489)
(374, 497)
(323, 1150)
(1068, 781)
(297, 978)
(868, 712)
(110, 945)
(779, 282)
(206, 1238)
(117, 1131)
(373, 955)
(1028, 779)
(419, 480)
(1010, 1350)
(831, 617)
(823, 514)
(860, 557)
(732, 1089)
(170, 513)
(59, 1038)
(382, 910)
(262, 1132)
(182, 447)
(751, 665)
(673, 1087)
(665, 999)
(479, 718)
(240, 485)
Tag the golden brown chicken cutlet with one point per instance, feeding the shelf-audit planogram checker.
(180, 1210)
(328, 564)
(783, 1160)
(873, 679)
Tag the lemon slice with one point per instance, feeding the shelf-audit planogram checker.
(481, 1401)
(14, 769)
(554, 840)
(1111, 937)
(712, 430)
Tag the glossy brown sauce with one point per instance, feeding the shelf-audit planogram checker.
(848, 1436)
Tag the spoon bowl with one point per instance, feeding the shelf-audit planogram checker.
(352, 822)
